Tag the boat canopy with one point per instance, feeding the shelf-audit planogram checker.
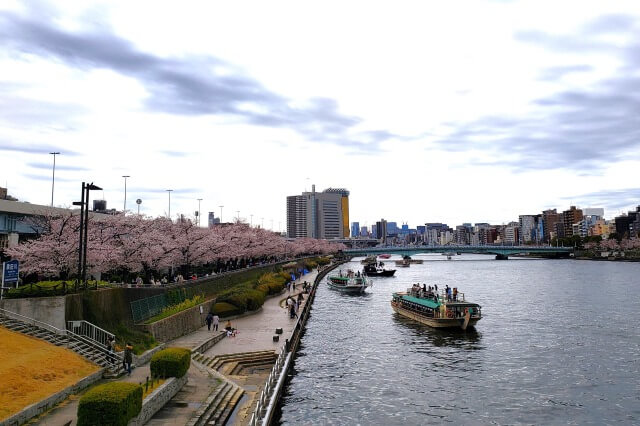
(430, 303)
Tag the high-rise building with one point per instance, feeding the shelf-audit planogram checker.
(355, 229)
(213, 220)
(364, 231)
(381, 230)
(550, 219)
(319, 214)
(569, 218)
(527, 228)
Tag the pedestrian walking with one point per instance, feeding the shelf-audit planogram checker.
(216, 321)
(209, 320)
(128, 358)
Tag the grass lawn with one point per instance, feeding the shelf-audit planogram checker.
(32, 369)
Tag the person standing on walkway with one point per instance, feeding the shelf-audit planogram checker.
(128, 357)
(216, 321)
(209, 320)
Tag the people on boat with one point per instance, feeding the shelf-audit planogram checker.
(455, 294)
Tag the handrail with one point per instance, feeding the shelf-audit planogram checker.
(59, 332)
(92, 331)
(268, 396)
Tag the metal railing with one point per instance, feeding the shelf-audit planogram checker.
(264, 402)
(73, 339)
(91, 331)
(268, 399)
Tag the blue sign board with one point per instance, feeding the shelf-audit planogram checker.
(10, 271)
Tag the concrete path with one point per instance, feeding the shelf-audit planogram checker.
(255, 333)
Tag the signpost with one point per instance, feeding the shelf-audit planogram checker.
(10, 271)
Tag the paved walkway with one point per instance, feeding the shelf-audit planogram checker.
(255, 333)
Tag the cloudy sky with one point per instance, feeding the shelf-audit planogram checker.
(426, 111)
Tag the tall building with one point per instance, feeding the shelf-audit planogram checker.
(511, 232)
(319, 214)
(569, 218)
(364, 231)
(213, 220)
(355, 229)
(381, 230)
(550, 219)
(527, 228)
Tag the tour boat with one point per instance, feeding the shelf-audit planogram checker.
(436, 311)
(378, 271)
(349, 282)
(403, 263)
(369, 260)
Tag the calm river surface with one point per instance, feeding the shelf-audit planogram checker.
(559, 343)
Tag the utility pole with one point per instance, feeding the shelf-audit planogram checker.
(169, 191)
(124, 208)
(53, 179)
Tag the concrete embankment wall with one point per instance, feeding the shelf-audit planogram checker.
(110, 307)
(50, 310)
(180, 324)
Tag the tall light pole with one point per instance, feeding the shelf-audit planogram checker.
(169, 191)
(124, 209)
(221, 214)
(53, 179)
(199, 214)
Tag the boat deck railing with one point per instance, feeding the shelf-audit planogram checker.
(442, 295)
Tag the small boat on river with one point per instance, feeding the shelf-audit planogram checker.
(349, 283)
(438, 311)
(378, 271)
(384, 256)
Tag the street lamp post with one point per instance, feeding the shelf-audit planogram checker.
(199, 214)
(53, 178)
(221, 214)
(169, 191)
(124, 209)
(84, 229)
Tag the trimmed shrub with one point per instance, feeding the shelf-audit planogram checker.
(239, 300)
(264, 288)
(255, 299)
(110, 404)
(225, 309)
(323, 261)
(275, 288)
(170, 362)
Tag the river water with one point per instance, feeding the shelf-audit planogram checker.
(559, 343)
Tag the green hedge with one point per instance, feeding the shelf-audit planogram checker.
(225, 309)
(112, 404)
(170, 362)
(255, 299)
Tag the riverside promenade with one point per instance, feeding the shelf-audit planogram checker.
(255, 333)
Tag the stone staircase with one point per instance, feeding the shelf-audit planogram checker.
(83, 346)
(219, 405)
(234, 364)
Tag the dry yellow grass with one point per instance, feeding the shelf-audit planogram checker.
(32, 369)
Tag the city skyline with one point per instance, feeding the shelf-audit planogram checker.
(421, 111)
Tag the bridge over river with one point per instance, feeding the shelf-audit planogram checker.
(501, 252)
